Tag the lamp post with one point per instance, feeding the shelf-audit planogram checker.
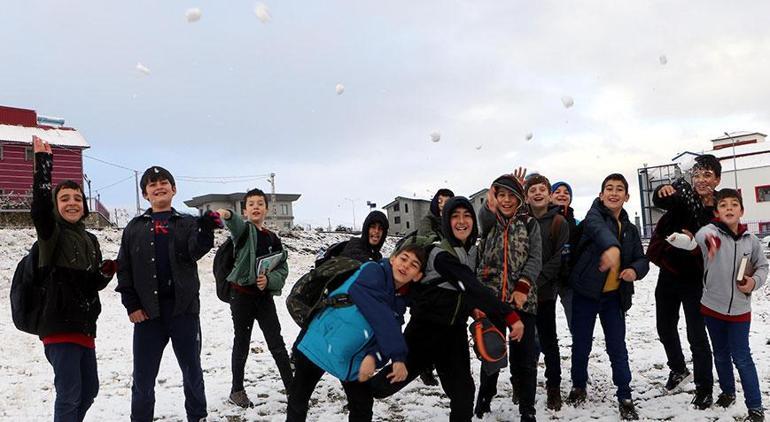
(735, 165)
(88, 182)
(353, 205)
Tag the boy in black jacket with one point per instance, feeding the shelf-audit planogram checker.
(367, 247)
(602, 279)
(158, 282)
(688, 207)
(67, 325)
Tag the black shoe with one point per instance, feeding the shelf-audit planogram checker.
(482, 406)
(627, 410)
(240, 399)
(428, 378)
(553, 400)
(702, 400)
(675, 379)
(576, 396)
(755, 415)
(725, 400)
(528, 418)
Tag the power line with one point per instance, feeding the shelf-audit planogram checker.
(115, 183)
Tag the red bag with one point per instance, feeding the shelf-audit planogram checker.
(489, 343)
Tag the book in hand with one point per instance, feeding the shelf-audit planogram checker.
(267, 263)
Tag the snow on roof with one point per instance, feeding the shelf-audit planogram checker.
(55, 136)
(747, 162)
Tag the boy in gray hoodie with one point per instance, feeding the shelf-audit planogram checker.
(735, 267)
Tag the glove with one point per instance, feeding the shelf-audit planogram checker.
(109, 267)
(682, 241)
(210, 220)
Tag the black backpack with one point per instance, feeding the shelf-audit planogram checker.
(330, 252)
(309, 293)
(224, 261)
(28, 292)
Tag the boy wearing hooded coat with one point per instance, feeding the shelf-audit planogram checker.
(67, 325)
(373, 233)
(440, 306)
(602, 280)
(430, 225)
(561, 197)
(510, 263)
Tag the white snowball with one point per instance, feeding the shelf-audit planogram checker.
(339, 89)
(142, 68)
(529, 136)
(567, 101)
(663, 59)
(478, 147)
(193, 15)
(435, 136)
(262, 12)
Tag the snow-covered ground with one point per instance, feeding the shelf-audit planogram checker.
(26, 378)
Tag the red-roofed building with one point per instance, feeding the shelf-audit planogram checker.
(17, 127)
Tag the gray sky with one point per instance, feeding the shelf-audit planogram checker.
(230, 96)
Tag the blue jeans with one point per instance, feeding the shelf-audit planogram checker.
(584, 312)
(731, 340)
(150, 339)
(75, 378)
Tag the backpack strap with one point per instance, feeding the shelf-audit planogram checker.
(556, 223)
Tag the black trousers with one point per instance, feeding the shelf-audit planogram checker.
(672, 293)
(548, 341)
(523, 356)
(444, 346)
(245, 310)
(306, 377)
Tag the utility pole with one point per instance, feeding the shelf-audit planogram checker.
(353, 205)
(272, 197)
(735, 165)
(136, 179)
(90, 199)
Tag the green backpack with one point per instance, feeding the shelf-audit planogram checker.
(309, 293)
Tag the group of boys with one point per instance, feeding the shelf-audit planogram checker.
(530, 251)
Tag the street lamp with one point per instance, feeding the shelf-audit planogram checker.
(353, 205)
(735, 165)
(88, 182)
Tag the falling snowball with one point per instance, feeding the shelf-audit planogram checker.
(142, 68)
(262, 12)
(529, 136)
(567, 101)
(339, 89)
(478, 147)
(663, 59)
(435, 136)
(193, 15)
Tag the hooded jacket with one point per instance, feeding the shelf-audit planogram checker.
(72, 255)
(720, 290)
(553, 263)
(359, 248)
(600, 232)
(430, 225)
(449, 291)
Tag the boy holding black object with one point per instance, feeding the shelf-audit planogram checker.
(159, 286)
(251, 296)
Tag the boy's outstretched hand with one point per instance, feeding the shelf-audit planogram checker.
(517, 331)
(666, 190)
(520, 174)
(224, 213)
(39, 145)
(366, 371)
(210, 220)
(491, 200)
(399, 372)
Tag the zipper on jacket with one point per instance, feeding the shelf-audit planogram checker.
(732, 283)
(457, 308)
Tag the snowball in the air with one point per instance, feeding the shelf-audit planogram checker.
(142, 68)
(663, 59)
(567, 101)
(339, 89)
(193, 15)
(478, 147)
(435, 136)
(262, 12)
(529, 136)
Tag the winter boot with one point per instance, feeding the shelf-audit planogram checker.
(627, 410)
(755, 415)
(482, 406)
(725, 400)
(428, 378)
(553, 401)
(577, 396)
(676, 379)
(239, 398)
(703, 399)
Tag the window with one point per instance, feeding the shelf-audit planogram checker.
(764, 227)
(406, 210)
(762, 193)
(407, 224)
(396, 207)
(284, 209)
(397, 220)
(287, 225)
(28, 154)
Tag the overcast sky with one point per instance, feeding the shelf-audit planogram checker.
(230, 95)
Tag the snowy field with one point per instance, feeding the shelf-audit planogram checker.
(26, 378)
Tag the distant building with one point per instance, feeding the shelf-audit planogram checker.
(404, 214)
(280, 215)
(477, 200)
(17, 127)
(752, 160)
